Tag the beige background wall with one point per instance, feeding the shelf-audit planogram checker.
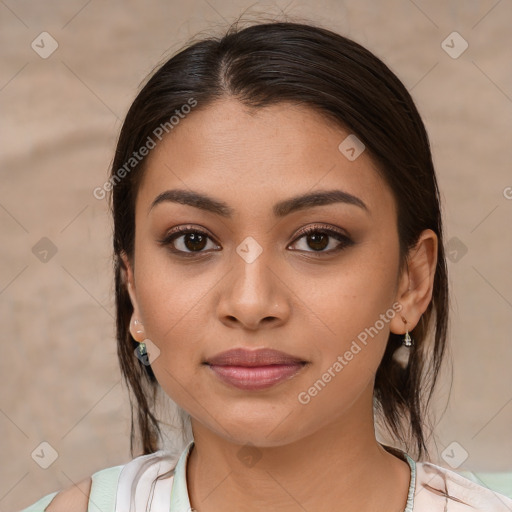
(59, 120)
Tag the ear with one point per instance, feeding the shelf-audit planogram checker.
(416, 282)
(136, 327)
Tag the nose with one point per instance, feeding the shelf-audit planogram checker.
(254, 296)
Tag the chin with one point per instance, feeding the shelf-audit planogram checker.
(262, 429)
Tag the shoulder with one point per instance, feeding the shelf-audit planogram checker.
(100, 488)
(109, 486)
(440, 487)
(74, 498)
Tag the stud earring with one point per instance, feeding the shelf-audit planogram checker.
(137, 329)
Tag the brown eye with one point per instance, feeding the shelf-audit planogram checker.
(194, 241)
(318, 239)
(186, 241)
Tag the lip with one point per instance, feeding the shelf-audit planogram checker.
(254, 369)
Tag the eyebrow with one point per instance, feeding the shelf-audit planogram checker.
(281, 209)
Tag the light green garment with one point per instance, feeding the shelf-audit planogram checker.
(102, 497)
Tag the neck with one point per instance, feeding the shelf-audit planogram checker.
(341, 466)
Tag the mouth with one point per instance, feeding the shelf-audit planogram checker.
(254, 369)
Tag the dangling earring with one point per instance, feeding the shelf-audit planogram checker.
(137, 331)
(142, 349)
(403, 353)
(407, 341)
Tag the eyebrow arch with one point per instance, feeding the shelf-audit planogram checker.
(281, 209)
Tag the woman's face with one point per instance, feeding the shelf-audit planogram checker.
(248, 277)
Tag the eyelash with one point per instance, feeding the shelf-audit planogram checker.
(344, 240)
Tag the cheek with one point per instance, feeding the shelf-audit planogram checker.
(172, 300)
(169, 294)
(356, 304)
(353, 296)
(170, 309)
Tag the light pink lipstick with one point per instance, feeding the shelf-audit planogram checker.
(254, 369)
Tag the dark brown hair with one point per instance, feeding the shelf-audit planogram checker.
(273, 62)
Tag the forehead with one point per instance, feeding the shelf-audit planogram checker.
(250, 156)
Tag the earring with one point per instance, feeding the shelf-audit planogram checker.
(137, 329)
(407, 341)
(142, 349)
